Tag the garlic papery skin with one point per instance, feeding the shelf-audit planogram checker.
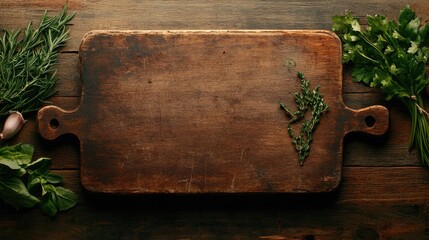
(12, 125)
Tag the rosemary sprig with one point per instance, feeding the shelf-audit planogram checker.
(27, 77)
(306, 99)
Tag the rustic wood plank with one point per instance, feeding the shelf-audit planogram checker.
(199, 107)
(165, 15)
(186, 72)
(69, 83)
(373, 203)
(399, 221)
(390, 149)
(359, 184)
(395, 184)
(175, 15)
(68, 75)
(64, 152)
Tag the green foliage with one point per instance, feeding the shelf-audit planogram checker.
(27, 77)
(305, 100)
(14, 192)
(25, 183)
(391, 56)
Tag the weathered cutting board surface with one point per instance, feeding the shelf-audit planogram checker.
(198, 112)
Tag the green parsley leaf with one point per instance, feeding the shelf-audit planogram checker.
(391, 56)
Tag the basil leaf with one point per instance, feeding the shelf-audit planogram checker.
(41, 166)
(66, 199)
(21, 153)
(12, 165)
(57, 199)
(33, 183)
(26, 149)
(14, 192)
(53, 178)
(16, 166)
(48, 205)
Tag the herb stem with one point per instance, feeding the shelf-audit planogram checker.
(421, 109)
(27, 76)
(306, 99)
(392, 56)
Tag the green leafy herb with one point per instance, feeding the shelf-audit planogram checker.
(25, 183)
(391, 56)
(27, 77)
(305, 100)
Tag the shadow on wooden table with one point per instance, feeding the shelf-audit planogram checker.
(222, 202)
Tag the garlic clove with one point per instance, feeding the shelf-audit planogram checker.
(12, 125)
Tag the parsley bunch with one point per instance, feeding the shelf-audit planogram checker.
(391, 56)
(27, 59)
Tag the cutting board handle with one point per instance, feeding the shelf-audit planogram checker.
(50, 122)
(373, 120)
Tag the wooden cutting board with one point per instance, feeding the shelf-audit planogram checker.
(198, 112)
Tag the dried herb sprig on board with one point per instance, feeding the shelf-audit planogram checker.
(27, 76)
(305, 100)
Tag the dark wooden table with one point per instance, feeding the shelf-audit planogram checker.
(384, 192)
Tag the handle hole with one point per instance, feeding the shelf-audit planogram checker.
(54, 123)
(370, 121)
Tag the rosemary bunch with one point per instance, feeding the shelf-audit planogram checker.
(27, 77)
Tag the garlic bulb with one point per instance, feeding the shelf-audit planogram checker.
(12, 125)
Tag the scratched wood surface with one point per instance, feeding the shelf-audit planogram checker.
(198, 112)
(384, 192)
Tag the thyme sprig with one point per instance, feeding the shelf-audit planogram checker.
(27, 77)
(305, 100)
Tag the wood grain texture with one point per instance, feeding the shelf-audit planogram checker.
(383, 194)
(198, 111)
(396, 209)
(198, 15)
